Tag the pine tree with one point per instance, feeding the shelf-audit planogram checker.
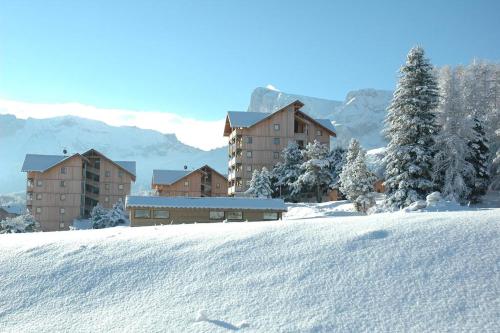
(19, 224)
(117, 215)
(260, 184)
(99, 217)
(410, 128)
(452, 170)
(356, 180)
(480, 160)
(287, 172)
(336, 159)
(314, 171)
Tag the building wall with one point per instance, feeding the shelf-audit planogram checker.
(265, 150)
(4, 214)
(110, 179)
(190, 215)
(48, 199)
(193, 188)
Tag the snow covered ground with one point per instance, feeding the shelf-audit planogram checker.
(336, 272)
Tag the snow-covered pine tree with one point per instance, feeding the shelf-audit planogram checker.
(287, 171)
(314, 171)
(260, 184)
(410, 129)
(345, 174)
(356, 180)
(99, 217)
(452, 170)
(336, 159)
(19, 224)
(117, 215)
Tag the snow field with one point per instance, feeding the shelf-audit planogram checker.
(415, 272)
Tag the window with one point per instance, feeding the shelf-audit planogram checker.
(62, 197)
(62, 183)
(249, 154)
(276, 141)
(300, 143)
(216, 215)
(186, 183)
(39, 196)
(141, 213)
(120, 186)
(217, 185)
(29, 196)
(106, 199)
(234, 215)
(61, 211)
(39, 183)
(276, 127)
(270, 216)
(38, 210)
(63, 170)
(249, 168)
(319, 133)
(120, 173)
(249, 139)
(61, 225)
(107, 173)
(106, 187)
(276, 155)
(161, 214)
(248, 182)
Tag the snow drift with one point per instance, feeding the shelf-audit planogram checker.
(386, 272)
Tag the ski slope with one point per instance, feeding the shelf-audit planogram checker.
(332, 272)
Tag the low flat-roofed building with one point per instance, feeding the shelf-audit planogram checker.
(154, 210)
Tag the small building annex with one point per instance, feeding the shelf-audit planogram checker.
(154, 210)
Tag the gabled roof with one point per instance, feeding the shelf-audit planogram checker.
(168, 177)
(245, 119)
(127, 166)
(206, 203)
(41, 163)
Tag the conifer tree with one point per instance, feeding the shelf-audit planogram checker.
(410, 129)
(260, 184)
(287, 171)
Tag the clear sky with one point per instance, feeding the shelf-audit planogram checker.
(201, 58)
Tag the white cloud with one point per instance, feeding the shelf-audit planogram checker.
(197, 133)
(271, 87)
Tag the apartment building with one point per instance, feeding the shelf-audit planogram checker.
(202, 182)
(256, 140)
(62, 188)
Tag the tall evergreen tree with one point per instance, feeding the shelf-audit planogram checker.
(260, 184)
(452, 170)
(336, 159)
(346, 173)
(410, 128)
(287, 171)
(314, 171)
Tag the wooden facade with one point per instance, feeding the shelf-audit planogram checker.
(203, 182)
(70, 189)
(260, 145)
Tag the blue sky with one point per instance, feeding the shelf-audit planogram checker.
(201, 58)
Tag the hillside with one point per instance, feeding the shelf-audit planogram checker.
(410, 272)
(151, 149)
(361, 115)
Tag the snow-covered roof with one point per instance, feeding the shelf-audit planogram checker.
(41, 163)
(13, 209)
(245, 119)
(206, 202)
(167, 177)
(127, 165)
(36, 162)
(326, 123)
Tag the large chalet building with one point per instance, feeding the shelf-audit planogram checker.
(257, 139)
(62, 188)
(202, 182)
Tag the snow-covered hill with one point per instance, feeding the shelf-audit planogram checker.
(151, 149)
(400, 272)
(360, 116)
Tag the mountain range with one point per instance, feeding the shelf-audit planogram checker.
(360, 115)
